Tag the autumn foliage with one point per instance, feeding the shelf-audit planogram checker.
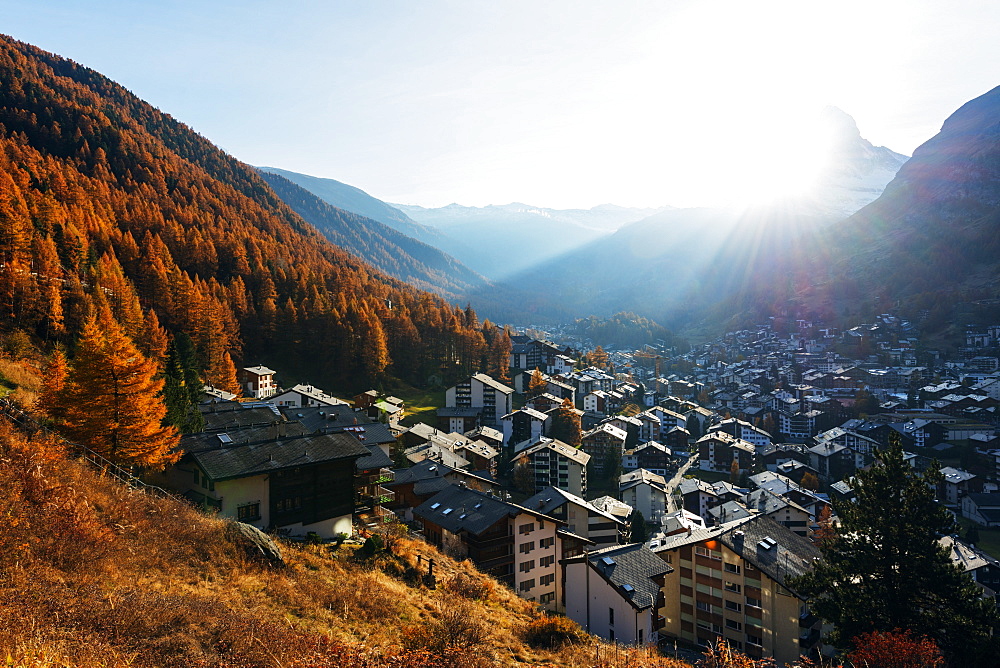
(107, 198)
(895, 649)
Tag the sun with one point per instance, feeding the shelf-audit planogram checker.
(787, 161)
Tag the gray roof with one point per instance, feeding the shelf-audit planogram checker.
(567, 451)
(376, 459)
(422, 470)
(261, 450)
(225, 415)
(640, 476)
(457, 508)
(495, 384)
(630, 569)
(551, 498)
(784, 556)
(455, 411)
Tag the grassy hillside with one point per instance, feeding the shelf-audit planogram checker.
(97, 575)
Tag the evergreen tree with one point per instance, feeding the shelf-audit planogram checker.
(639, 530)
(182, 386)
(111, 399)
(884, 569)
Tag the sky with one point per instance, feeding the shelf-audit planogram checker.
(564, 104)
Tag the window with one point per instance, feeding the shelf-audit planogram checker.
(733, 587)
(546, 542)
(753, 602)
(703, 606)
(527, 565)
(611, 616)
(547, 598)
(735, 607)
(734, 625)
(640, 636)
(526, 528)
(249, 512)
(732, 568)
(527, 584)
(755, 640)
(527, 547)
(546, 561)
(546, 580)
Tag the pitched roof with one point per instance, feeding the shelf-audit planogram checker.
(255, 451)
(551, 498)
(495, 384)
(567, 451)
(223, 416)
(639, 477)
(457, 508)
(770, 547)
(630, 569)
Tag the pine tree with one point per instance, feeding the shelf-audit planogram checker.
(111, 400)
(884, 568)
(639, 530)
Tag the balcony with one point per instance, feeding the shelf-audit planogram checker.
(488, 542)
(659, 622)
(373, 477)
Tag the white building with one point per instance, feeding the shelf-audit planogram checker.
(615, 593)
(481, 391)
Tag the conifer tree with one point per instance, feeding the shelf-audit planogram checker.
(884, 569)
(50, 401)
(536, 384)
(565, 425)
(111, 400)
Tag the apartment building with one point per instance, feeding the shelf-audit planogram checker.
(731, 581)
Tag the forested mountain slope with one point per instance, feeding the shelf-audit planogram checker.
(409, 260)
(105, 195)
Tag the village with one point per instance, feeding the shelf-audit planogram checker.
(649, 508)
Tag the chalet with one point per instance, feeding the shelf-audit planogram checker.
(211, 394)
(522, 425)
(305, 396)
(646, 492)
(617, 593)
(458, 419)
(481, 391)
(258, 382)
(983, 568)
(741, 591)
(601, 441)
(651, 456)
(582, 518)
(983, 509)
(743, 431)
(596, 401)
(956, 484)
(274, 477)
(325, 420)
(371, 496)
(553, 463)
(414, 485)
(488, 435)
(718, 450)
(519, 546)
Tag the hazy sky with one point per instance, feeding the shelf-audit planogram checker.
(561, 104)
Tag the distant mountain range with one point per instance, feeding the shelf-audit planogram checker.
(878, 231)
(390, 250)
(503, 240)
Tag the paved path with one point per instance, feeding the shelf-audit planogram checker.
(676, 480)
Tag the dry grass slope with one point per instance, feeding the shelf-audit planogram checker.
(94, 575)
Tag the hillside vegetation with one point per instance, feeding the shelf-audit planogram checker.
(105, 197)
(97, 575)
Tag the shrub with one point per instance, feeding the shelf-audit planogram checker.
(552, 631)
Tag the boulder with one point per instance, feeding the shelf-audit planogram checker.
(255, 543)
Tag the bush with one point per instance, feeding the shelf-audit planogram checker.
(552, 631)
